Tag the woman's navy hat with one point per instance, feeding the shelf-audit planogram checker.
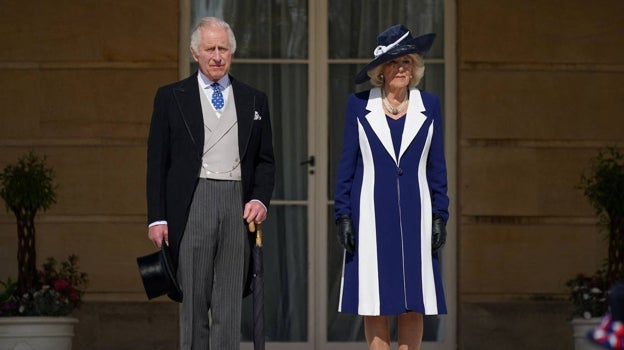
(394, 42)
(158, 274)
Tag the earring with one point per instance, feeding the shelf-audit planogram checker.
(381, 77)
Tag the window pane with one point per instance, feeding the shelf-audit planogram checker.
(263, 29)
(286, 87)
(355, 24)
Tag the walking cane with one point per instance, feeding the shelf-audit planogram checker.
(258, 287)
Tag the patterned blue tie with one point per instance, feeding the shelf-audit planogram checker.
(217, 96)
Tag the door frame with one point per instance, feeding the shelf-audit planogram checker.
(318, 80)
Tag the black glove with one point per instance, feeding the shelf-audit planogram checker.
(346, 234)
(438, 233)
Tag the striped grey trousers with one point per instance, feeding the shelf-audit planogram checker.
(211, 266)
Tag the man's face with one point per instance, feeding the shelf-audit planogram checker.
(214, 56)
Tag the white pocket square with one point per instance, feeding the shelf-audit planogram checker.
(257, 116)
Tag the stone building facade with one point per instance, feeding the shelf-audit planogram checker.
(539, 91)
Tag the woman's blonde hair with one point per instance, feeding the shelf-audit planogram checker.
(418, 69)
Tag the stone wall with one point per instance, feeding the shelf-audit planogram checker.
(127, 326)
(540, 91)
(78, 82)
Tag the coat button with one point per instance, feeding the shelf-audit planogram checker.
(399, 171)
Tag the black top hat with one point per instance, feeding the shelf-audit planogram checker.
(394, 42)
(158, 274)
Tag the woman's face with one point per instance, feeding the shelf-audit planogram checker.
(397, 72)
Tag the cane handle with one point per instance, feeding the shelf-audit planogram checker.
(257, 228)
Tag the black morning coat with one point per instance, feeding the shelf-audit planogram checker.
(175, 146)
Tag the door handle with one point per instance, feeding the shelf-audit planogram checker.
(310, 163)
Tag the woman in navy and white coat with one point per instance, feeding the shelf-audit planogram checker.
(391, 205)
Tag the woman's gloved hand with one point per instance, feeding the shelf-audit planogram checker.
(346, 234)
(438, 233)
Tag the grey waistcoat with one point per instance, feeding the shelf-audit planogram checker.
(220, 159)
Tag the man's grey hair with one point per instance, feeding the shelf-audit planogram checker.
(207, 22)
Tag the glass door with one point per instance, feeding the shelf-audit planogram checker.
(303, 55)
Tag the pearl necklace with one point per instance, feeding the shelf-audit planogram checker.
(389, 107)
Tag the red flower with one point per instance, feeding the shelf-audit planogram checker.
(60, 285)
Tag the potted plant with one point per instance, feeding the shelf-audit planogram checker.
(603, 186)
(39, 299)
(588, 295)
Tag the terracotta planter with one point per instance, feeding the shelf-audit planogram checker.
(37, 333)
(580, 328)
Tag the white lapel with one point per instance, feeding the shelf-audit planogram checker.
(377, 120)
(414, 119)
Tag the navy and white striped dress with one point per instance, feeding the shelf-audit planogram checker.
(391, 195)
